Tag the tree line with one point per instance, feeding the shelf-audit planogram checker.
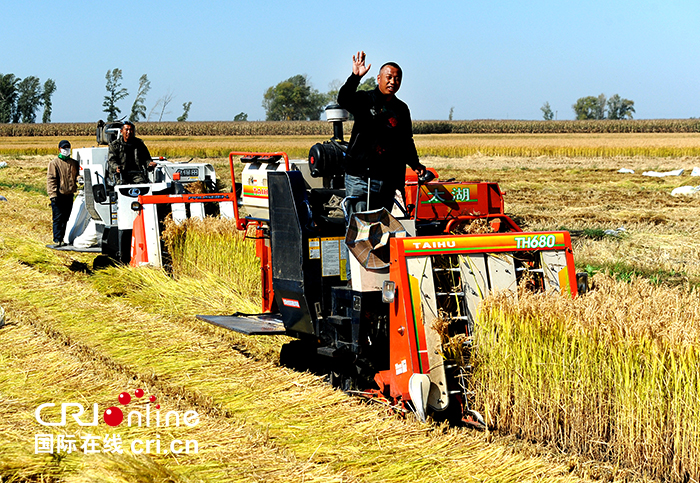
(115, 93)
(20, 99)
(598, 108)
(295, 99)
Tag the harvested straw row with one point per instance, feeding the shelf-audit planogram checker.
(44, 371)
(612, 375)
(317, 424)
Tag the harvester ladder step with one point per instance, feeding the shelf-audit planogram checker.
(339, 320)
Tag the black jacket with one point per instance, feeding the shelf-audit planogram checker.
(128, 157)
(381, 144)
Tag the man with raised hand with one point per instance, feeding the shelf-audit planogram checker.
(381, 144)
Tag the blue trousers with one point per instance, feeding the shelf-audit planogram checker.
(381, 194)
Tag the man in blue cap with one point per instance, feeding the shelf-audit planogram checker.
(61, 186)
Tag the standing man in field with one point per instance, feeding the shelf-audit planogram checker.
(61, 186)
(381, 144)
(129, 158)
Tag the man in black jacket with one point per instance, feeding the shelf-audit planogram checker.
(381, 144)
(129, 158)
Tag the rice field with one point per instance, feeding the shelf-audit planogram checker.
(601, 388)
(653, 145)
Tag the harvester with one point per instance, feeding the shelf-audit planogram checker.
(385, 304)
(372, 301)
(105, 211)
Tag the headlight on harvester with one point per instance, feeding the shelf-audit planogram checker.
(388, 292)
(136, 206)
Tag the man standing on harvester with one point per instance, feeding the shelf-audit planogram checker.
(381, 144)
(129, 158)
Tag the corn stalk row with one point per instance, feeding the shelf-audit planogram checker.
(297, 128)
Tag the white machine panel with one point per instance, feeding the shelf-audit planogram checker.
(422, 269)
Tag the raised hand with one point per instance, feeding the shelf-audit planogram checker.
(358, 64)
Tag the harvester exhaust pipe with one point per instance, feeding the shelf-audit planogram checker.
(337, 115)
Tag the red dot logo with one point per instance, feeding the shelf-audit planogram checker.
(152, 398)
(113, 416)
(125, 398)
(138, 393)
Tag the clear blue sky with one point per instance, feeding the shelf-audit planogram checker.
(487, 59)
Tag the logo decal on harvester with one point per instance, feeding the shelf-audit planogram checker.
(134, 192)
(255, 191)
(480, 243)
(449, 193)
(291, 303)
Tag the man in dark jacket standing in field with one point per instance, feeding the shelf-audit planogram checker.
(129, 158)
(61, 186)
(381, 144)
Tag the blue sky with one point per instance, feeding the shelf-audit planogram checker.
(487, 60)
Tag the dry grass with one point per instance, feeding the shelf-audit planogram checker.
(585, 145)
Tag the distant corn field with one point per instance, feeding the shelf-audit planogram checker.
(452, 145)
(300, 128)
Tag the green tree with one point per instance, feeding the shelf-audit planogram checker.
(293, 100)
(115, 93)
(186, 106)
(8, 97)
(452, 111)
(30, 98)
(599, 111)
(368, 84)
(49, 89)
(241, 116)
(585, 107)
(547, 112)
(138, 108)
(619, 108)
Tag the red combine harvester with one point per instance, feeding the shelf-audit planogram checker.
(372, 305)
